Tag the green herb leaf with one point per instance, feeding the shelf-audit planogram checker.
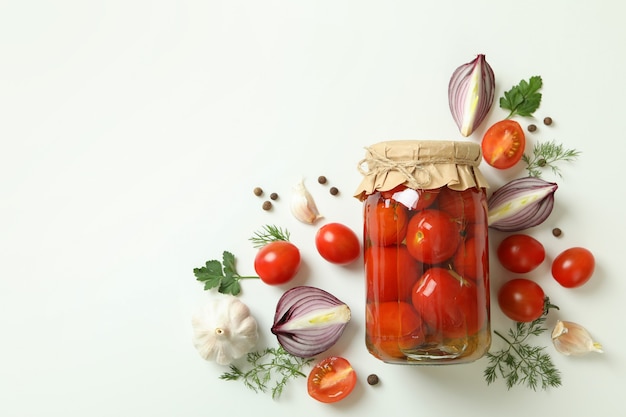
(230, 286)
(228, 259)
(547, 155)
(522, 363)
(211, 274)
(225, 278)
(270, 366)
(524, 98)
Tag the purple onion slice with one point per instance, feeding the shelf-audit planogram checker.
(309, 320)
(520, 204)
(471, 91)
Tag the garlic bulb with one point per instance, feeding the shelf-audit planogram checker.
(573, 339)
(303, 206)
(224, 330)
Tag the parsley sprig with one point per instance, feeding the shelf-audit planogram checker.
(523, 99)
(547, 155)
(270, 366)
(225, 278)
(520, 362)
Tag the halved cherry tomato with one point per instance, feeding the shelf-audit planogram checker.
(337, 243)
(432, 236)
(331, 380)
(391, 273)
(392, 327)
(503, 144)
(448, 303)
(520, 253)
(573, 267)
(386, 222)
(277, 262)
(521, 299)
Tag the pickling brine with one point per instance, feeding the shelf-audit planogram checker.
(426, 253)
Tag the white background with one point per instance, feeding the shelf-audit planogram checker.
(133, 132)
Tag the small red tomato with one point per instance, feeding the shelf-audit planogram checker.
(411, 198)
(468, 206)
(386, 222)
(392, 327)
(470, 259)
(432, 236)
(521, 299)
(337, 243)
(391, 273)
(277, 262)
(448, 303)
(503, 144)
(573, 267)
(331, 380)
(520, 253)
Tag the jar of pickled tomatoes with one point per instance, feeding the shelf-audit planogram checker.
(426, 252)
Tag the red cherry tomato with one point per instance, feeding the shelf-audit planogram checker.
(277, 262)
(391, 273)
(470, 259)
(521, 299)
(468, 206)
(331, 380)
(573, 267)
(337, 243)
(393, 326)
(386, 222)
(520, 253)
(410, 198)
(432, 236)
(447, 303)
(503, 144)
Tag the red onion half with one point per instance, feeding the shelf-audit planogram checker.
(309, 320)
(471, 91)
(520, 204)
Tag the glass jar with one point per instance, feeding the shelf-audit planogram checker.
(426, 252)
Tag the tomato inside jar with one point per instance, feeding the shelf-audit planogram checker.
(425, 253)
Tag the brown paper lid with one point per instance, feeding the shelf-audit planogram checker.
(420, 164)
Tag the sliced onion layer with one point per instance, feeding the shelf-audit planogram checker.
(309, 320)
(471, 91)
(520, 204)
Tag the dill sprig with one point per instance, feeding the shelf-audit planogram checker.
(269, 233)
(522, 363)
(271, 365)
(548, 154)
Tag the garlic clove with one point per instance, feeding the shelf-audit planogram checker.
(470, 94)
(303, 205)
(573, 339)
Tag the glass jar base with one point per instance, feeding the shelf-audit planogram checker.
(455, 351)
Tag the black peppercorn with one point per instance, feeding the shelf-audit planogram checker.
(532, 128)
(267, 205)
(372, 379)
(322, 179)
(334, 190)
(556, 232)
(274, 196)
(547, 121)
(258, 191)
